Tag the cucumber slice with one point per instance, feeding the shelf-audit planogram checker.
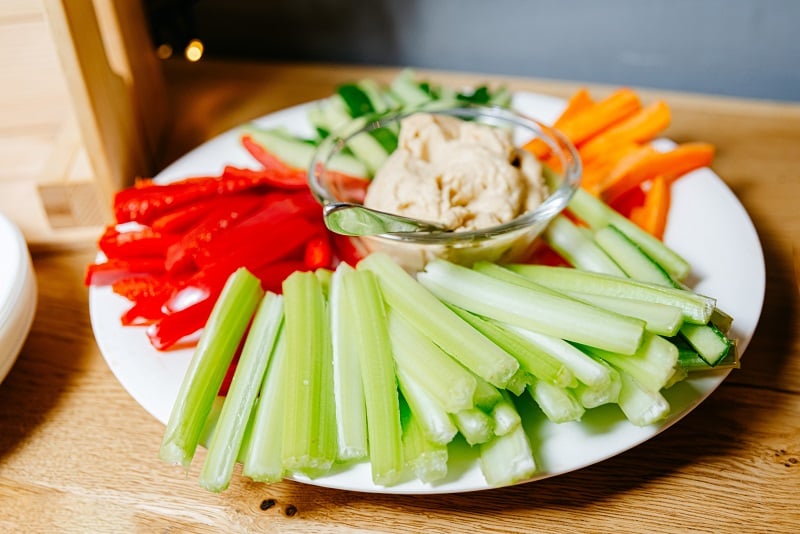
(357, 101)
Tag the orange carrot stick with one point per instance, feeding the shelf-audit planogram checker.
(652, 215)
(579, 102)
(671, 165)
(644, 125)
(599, 168)
(622, 167)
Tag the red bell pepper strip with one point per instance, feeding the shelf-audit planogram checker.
(143, 242)
(139, 287)
(179, 256)
(318, 252)
(285, 175)
(292, 179)
(112, 270)
(345, 187)
(345, 249)
(273, 274)
(169, 330)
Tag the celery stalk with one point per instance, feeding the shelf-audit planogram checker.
(426, 458)
(374, 348)
(519, 382)
(434, 420)
(651, 366)
(505, 416)
(227, 439)
(221, 336)
(642, 407)
(309, 423)
(452, 385)
(558, 404)
(592, 397)
(351, 415)
(486, 396)
(534, 361)
(507, 459)
(438, 322)
(541, 311)
(261, 460)
(475, 425)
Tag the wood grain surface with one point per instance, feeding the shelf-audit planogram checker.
(78, 454)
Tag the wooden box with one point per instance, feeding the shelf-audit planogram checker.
(84, 111)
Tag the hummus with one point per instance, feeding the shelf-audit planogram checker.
(463, 174)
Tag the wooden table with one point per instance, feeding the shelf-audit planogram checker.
(78, 453)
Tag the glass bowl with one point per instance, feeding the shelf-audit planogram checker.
(503, 243)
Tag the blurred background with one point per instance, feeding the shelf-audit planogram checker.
(745, 48)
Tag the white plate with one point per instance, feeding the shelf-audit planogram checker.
(17, 294)
(707, 225)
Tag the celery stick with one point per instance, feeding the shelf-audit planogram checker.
(262, 452)
(475, 425)
(642, 407)
(558, 404)
(309, 423)
(426, 458)
(519, 382)
(662, 319)
(597, 214)
(374, 347)
(439, 323)
(507, 459)
(325, 276)
(452, 385)
(486, 396)
(351, 415)
(541, 311)
(578, 249)
(436, 423)
(505, 416)
(221, 336)
(583, 367)
(696, 308)
(227, 439)
(592, 397)
(532, 360)
(651, 366)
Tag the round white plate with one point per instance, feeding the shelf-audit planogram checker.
(707, 225)
(17, 294)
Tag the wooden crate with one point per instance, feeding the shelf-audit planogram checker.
(83, 112)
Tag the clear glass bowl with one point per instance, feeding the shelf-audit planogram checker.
(503, 243)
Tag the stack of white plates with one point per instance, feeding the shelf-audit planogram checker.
(17, 294)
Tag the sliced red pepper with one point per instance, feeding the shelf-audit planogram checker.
(628, 201)
(345, 249)
(273, 274)
(179, 256)
(145, 311)
(285, 175)
(169, 330)
(318, 252)
(261, 231)
(142, 242)
(345, 187)
(293, 179)
(182, 218)
(138, 287)
(108, 272)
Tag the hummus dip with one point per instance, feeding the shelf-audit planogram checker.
(465, 175)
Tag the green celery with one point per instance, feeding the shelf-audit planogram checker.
(519, 382)
(261, 460)
(558, 404)
(592, 397)
(436, 423)
(542, 311)
(505, 416)
(641, 406)
(452, 385)
(426, 458)
(475, 425)
(309, 423)
(507, 459)
(577, 248)
(696, 308)
(651, 366)
(531, 359)
(473, 350)
(374, 347)
(227, 439)
(221, 336)
(351, 415)
(486, 396)
(582, 366)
